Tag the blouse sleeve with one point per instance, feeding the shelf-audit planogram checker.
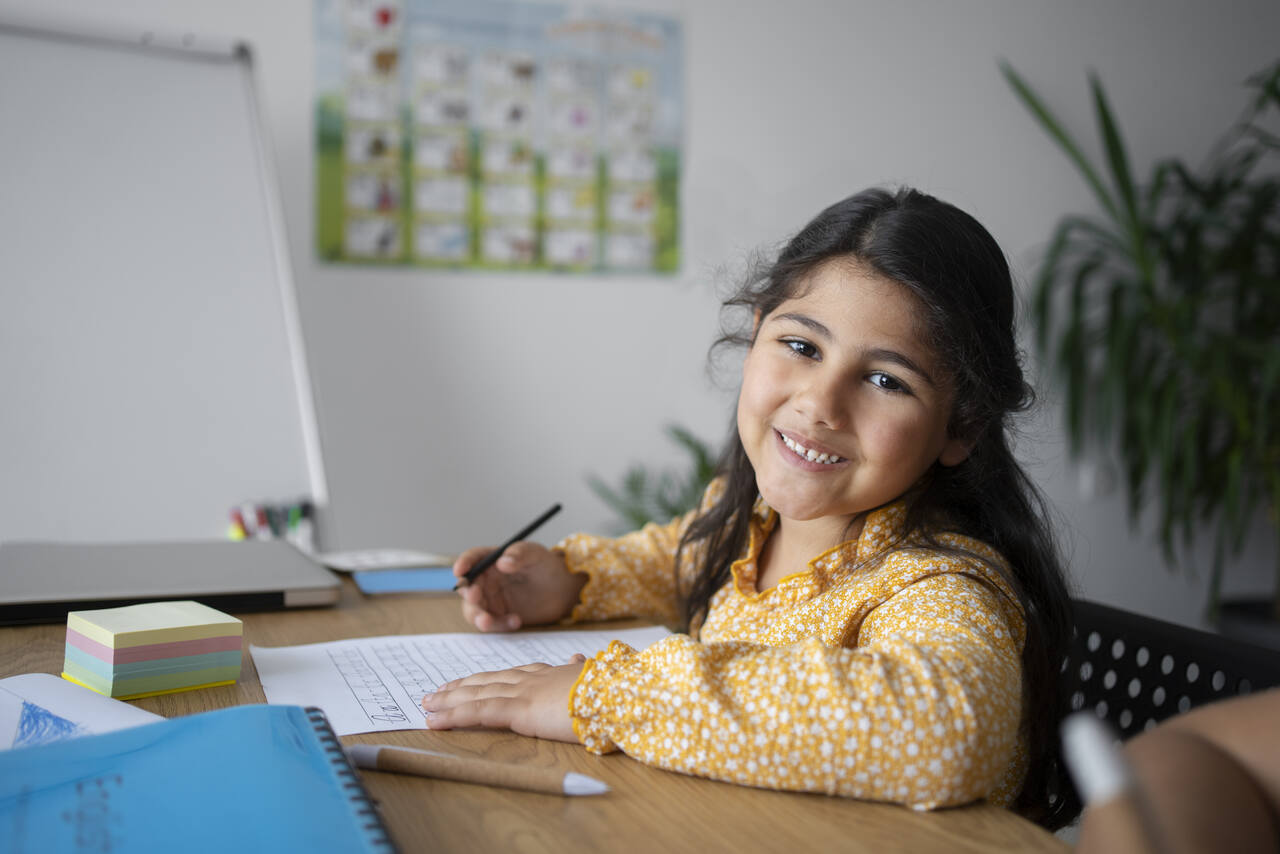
(631, 576)
(924, 710)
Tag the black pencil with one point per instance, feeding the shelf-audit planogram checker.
(492, 557)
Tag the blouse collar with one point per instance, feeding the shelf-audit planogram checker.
(882, 529)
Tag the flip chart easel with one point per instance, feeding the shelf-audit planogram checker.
(152, 368)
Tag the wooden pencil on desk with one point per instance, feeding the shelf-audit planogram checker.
(447, 766)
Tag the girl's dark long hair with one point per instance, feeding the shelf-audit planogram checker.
(961, 279)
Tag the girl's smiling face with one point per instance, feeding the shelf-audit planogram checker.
(843, 406)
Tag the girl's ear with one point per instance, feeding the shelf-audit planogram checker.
(955, 451)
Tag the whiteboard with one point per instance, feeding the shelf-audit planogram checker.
(152, 369)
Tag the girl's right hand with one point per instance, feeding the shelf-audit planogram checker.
(529, 585)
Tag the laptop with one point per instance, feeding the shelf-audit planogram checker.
(41, 581)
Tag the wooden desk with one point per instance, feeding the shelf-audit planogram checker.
(647, 809)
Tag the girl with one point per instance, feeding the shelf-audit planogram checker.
(871, 596)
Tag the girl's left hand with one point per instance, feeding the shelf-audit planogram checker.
(531, 700)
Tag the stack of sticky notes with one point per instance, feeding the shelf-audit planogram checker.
(156, 648)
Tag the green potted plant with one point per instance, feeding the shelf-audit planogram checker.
(1160, 320)
(644, 496)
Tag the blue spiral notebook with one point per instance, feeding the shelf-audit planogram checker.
(248, 778)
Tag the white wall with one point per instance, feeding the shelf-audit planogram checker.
(455, 406)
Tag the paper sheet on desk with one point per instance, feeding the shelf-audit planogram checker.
(40, 708)
(377, 684)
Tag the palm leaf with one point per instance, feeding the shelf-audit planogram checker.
(1064, 140)
(1118, 163)
(1118, 352)
(1155, 193)
(1267, 407)
(1117, 158)
(645, 496)
(1267, 82)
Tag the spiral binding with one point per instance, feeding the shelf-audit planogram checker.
(366, 811)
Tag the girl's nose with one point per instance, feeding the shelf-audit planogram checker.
(823, 399)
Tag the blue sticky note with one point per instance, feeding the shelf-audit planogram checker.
(427, 578)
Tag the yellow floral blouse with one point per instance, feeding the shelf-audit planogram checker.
(894, 679)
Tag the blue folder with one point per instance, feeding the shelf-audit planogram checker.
(244, 779)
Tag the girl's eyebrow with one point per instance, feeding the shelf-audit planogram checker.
(876, 353)
(807, 322)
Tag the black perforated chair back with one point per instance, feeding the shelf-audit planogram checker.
(1134, 671)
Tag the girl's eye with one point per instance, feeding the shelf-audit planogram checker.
(886, 382)
(801, 347)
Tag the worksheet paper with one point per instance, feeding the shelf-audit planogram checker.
(377, 684)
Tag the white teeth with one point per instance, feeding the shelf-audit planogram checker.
(810, 454)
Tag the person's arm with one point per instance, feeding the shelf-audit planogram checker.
(582, 578)
(631, 576)
(924, 711)
(1206, 780)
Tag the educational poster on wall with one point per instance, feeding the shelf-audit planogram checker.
(497, 134)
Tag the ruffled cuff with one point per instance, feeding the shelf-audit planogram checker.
(591, 701)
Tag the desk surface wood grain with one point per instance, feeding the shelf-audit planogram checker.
(646, 809)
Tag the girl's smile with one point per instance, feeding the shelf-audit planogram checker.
(808, 453)
(843, 406)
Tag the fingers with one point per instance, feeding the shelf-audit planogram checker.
(468, 559)
(514, 559)
(530, 700)
(509, 676)
(488, 622)
(491, 713)
(490, 699)
(483, 594)
(527, 585)
(484, 602)
(519, 556)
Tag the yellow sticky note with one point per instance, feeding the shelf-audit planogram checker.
(153, 622)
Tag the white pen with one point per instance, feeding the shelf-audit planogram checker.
(1096, 764)
(1106, 784)
(447, 766)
